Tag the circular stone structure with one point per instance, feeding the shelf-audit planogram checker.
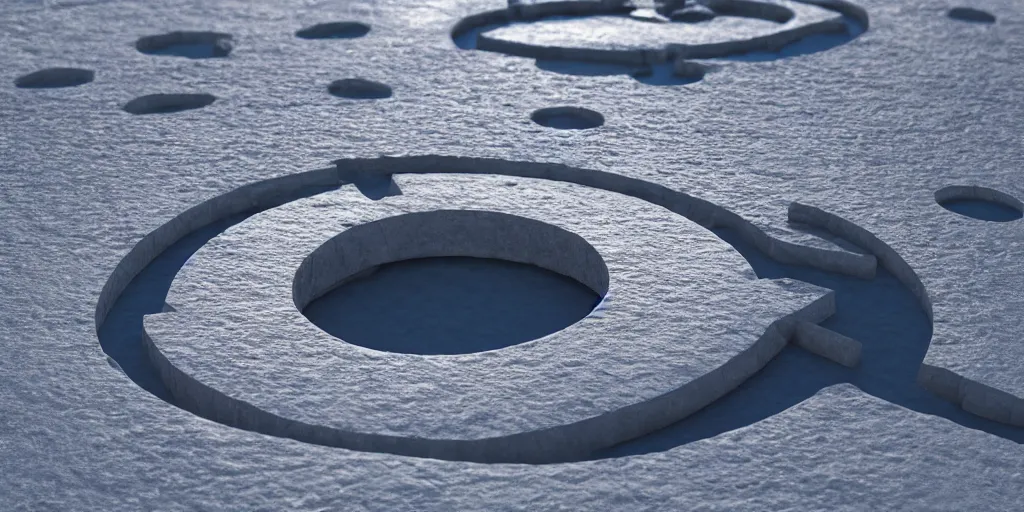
(546, 31)
(50, 78)
(683, 322)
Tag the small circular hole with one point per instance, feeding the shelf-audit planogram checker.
(567, 118)
(334, 30)
(451, 282)
(359, 89)
(980, 203)
(971, 14)
(168, 103)
(193, 45)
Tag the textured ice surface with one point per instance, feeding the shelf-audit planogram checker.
(868, 130)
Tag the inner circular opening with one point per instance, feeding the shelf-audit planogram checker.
(453, 305)
(449, 282)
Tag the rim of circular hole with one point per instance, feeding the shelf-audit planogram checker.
(360, 249)
(55, 78)
(954, 193)
(589, 118)
(334, 30)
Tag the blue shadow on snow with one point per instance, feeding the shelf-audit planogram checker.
(881, 313)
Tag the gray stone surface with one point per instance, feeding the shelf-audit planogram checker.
(868, 130)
